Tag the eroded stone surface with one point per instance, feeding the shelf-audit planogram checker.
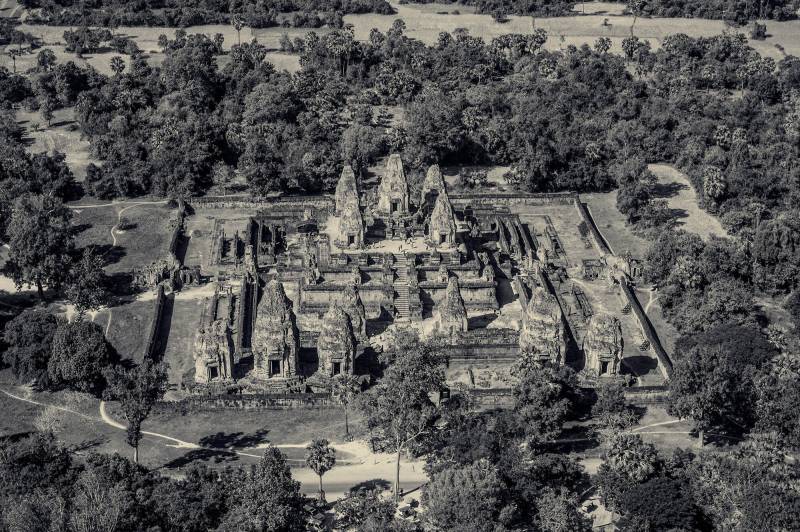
(542, 333)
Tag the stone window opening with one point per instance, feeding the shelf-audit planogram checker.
(337, 368)
(274, 367)
(442, 238)
(213, 372)
(603, 367)
(351, 239)
(395, 205)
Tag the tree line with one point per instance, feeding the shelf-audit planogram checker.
(184, 13)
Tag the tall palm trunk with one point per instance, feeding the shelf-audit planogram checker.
(397, 479)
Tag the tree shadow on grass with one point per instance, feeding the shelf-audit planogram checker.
(667, 190)
(235, 440)
(376, 484)
(201, 455)
(87, 444)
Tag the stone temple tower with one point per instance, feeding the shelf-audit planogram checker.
(346, 190)
(442, 226)
(603, 345)
(276, 340)
(352, 305)
(432, 186)
(393, 188)
(335, 345)
(452, 316)
(542, 333)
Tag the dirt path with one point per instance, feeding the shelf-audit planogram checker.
(129, 205)
(682, 198)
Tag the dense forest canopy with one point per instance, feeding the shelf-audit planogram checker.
(738, 11)
(183, 13)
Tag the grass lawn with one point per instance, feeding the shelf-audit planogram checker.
(182, 328)
(63, 136)
(130, 324)
(612, 225)
(147, 240)
(682, 199)
(94, 225)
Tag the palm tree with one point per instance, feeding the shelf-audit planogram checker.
(117, 65)
(321, 458)
(345, 387)
(238, 22)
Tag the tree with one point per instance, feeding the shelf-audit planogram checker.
(602, 45)
(80, 354)
(264, 497)
(45, 60)
(40, 238)
(345, 387)
(163, 43)
(559, 512)
(361, 145)
(713, 378)
(364, 504)
(86, 284)
(662, 503)
(137, 390)
(611, 410)
(778, 392)
(627, 460)
(635, 7)
(544, 397)
(629, 455)
(117, 65)
(237, 22)
(321, 458)
(398, 409)
(29, 337)
(465, 498)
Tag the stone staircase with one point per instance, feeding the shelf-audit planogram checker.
(401, 300)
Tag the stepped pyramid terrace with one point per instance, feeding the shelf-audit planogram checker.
(306, 288)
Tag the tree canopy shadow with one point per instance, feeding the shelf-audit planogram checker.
(376, 484)
(667, 190)
(233, 440)
(201, 455)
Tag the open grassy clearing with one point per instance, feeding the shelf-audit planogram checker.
(130, 325)
(242, 429)
(617, 233)
(682, 199)
(63, 135)
(148, 238)
(182, 326)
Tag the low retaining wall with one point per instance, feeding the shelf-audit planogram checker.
(250, 402)
(245, 201)
(597, 238)
(664, 361)
(516, 198)
(647, 395)
(153, 339)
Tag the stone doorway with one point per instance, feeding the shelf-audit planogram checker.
(274, 367)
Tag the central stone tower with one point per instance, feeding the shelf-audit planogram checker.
(276, 340)
(393, 188)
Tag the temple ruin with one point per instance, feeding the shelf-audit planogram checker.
(542, 333)
(305, 286)
(603, 345)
